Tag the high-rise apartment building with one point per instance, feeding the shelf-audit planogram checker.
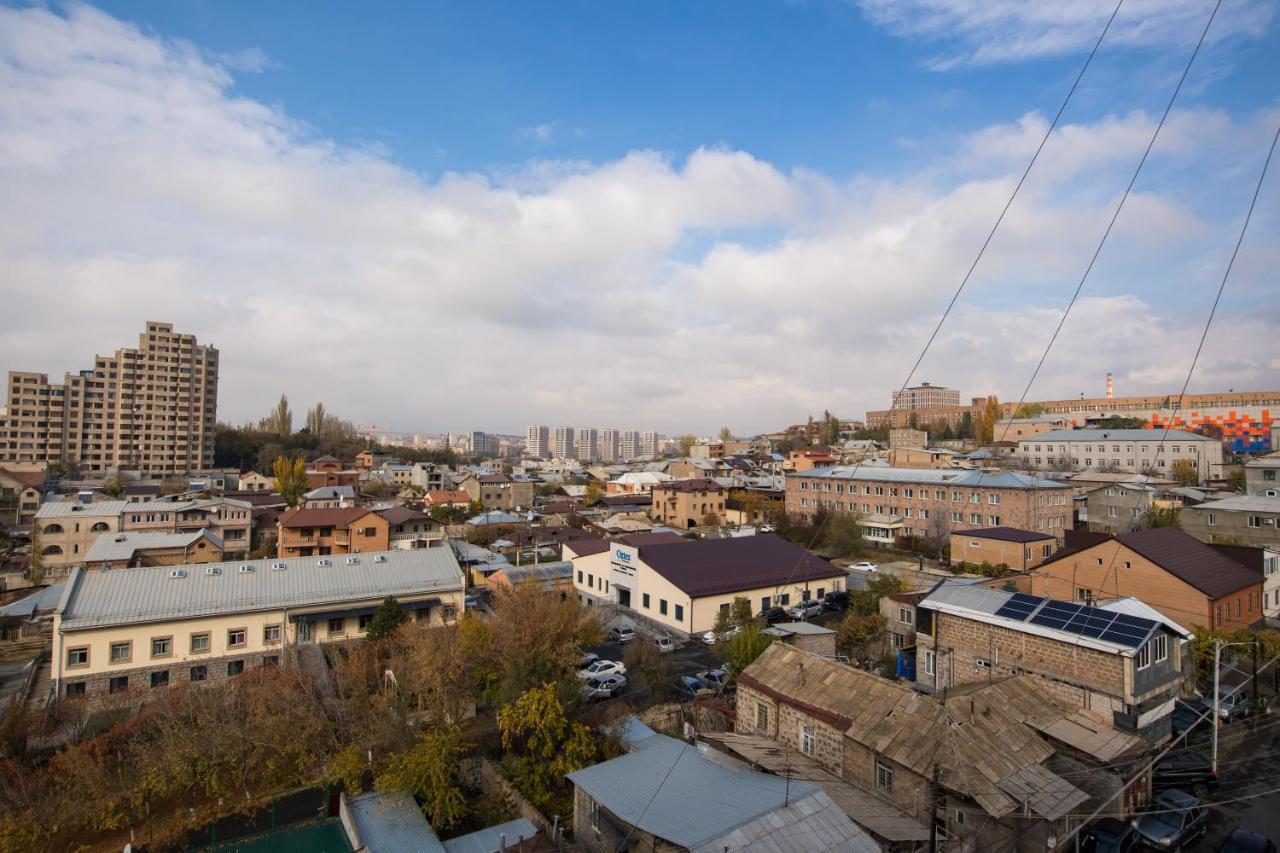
(562, 443)
(608, 445)
(483, 444)
(585, 444)
(649, 443)
(629, 446)
(537, 441)
(926, 396)
(150, 409)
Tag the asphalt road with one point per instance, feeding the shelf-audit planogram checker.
(1247, 767)
(688, 659)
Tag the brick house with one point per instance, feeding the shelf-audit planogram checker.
(311, 532)
(882, 742)
(1191, 583)
(330, 471)
(685, 504)
(1020, 550)
(133, 550)
(1123, 660)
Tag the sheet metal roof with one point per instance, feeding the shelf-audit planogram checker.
(669, 789)
(1006, 534)
(717, 566)
(934, 476)
(391, 822)
(122, 546)
(94, 599)
(67, 509)
(492, 838)
(42, 599)
(1243, 503)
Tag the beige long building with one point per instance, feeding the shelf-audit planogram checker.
(149, 628)
(151, 409)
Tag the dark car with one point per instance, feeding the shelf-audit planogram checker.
(1194, 716)
(1172, 822)
(1189, 771)
(1109, 835)
(713, 678)
(836, 601)
(687, 687)
(1244, 840)
(773, 615)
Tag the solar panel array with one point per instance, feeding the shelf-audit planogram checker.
(1119, 628)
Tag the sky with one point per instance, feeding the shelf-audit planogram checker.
(639, 215)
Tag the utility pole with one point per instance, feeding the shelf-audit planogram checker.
(1254, 653)
(933, 808)
(1217, 660)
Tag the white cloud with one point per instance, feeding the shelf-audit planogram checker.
(543, 133)
(987, 32)
(677, 293)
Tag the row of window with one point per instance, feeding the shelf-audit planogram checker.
(160, 678)
(198, 643)
(1102, 448)
(808, 745)
(907, 492)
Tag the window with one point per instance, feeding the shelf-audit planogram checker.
(271, 633)
(235, 638)
(75, 689)
(644, 600)
(982, 663)
(161, 647)
(884, 777)
(579, 575)
(1213, 519)
(993, 499)
(118, 684)
(762, 718)
(679, 612)
(959, 821)
(784, 599)
(806, 740)
(122, 652)
(1255, 521)
(930, 663)
(200, 643)
(764, 603)
(78, 657)
(1047, 550)
(199, 673)
(271, 660)
(1161, 644)
(234, 668)
(1142, 659)
(370, 531)
(591, 581)
(337, 626)
(160, 678)
(904, 615)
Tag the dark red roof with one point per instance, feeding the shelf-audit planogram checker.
(30, 479)
(588, 546)
(332, 517)
(549, 536)
(641, 540)
(400, 514)
(698, 485)
(1005, 534)
(719, 566)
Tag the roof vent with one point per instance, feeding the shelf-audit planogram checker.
(324, 563)
(178, 573)
(213, 570)
(379, 558)
(246, 569)
(279, 567)
(352, 561)
(120, 537)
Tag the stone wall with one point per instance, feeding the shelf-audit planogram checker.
(216, 669)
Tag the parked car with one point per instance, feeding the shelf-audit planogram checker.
(687, 687)
(865, 566)
(1174, 821)
(1189, 771)
(773, 615)
(806, 609)
(470, 602)
(1244, 840)
(1109, 835)
(664, 645)
(585, 659)
(766, 528)
(602, 667)
(1192, 715)
(710, 637)
(603, 687)
(836, 601)
(713, 678)
(1233, 703)
(622, 634)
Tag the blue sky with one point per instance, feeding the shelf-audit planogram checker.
(594, 213)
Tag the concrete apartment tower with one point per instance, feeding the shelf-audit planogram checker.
(585, 444)
(562, 443)
(629, 446)
(537, 441)
(151, 409)
(609, 445)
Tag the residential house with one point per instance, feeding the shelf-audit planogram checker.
(329, 497)
(255, 482)
(637, 482)
(63, 532)
(805, 635)
(409, 528)
(810, 458)
(131, 550)
(447, 497)
(680, 586)
(1122, 660)
(879, 748)
(1020, 550)
(329, 471)
(551, 577)
(1191, 583)
(1262, 476)
(20, 496)
(309, 532)
(497, 491)
(161, 626)
(664, 794)
(230, 519)
(899, 612)
(430, 477)
(393, 822)
(1241, 520)
(685, 504)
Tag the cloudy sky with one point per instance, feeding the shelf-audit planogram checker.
(449, 216)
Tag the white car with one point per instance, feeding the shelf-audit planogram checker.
(805, 609)
(664, 645)
(602, 667)
(711, 639)
(603, 687)
(865, 566)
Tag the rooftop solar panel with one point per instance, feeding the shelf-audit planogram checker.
(1019, 606)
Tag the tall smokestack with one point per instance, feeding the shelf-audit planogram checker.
(1111, 388)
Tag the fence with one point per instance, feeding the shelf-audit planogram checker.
(484, 774)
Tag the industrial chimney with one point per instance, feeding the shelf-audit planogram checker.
(1111, 388)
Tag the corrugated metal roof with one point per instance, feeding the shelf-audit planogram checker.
(66, 509)
(492, 839)
(1243, 503)
(934, 476)
(42, 599)
(392, 823)
(124, 596)
(122, 546)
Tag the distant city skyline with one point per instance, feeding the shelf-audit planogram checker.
(567, 213)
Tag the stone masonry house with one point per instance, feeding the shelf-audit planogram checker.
(309, 532)
(684, 504)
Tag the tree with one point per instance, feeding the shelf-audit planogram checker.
(315, 420)
(595, 491)
(1162, 516)
(966, 425)
(686, 443)
(1029, 410)
(726, 434)
(386, 619)
(947, 433)
(711, 519)
(648, 670)
(429, 771)
(113, 486)
(291, 478)
(865, 602)
(280, 421)
(1236, 479)
(745, 646)
(1185, 472)
(987, 418)
(842, 535)
(857, 631)
(542, 744)
(377, 487)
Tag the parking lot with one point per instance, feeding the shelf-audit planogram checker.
(1246, 768)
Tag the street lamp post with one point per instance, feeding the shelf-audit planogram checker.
(1218, 646)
